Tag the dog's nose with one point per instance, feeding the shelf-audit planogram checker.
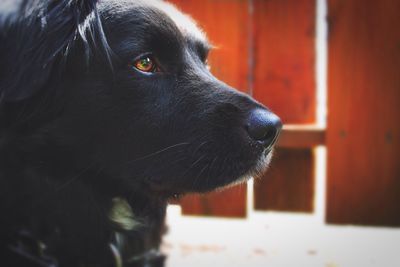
(263, 126)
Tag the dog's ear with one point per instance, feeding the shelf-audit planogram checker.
(37, 35)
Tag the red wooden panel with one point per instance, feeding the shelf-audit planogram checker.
(291, 173)
(363, 135)
(284, 45)
(301, 136)
(284, 68)
(228, 203)
(226, 25)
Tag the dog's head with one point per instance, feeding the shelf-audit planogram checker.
(124, 89)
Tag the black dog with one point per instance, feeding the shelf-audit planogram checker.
(107, 110)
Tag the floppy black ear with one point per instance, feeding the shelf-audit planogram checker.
(36, 34)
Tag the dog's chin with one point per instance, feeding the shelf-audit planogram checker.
(256, 171)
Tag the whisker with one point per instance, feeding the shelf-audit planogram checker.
(158, 152)
(198, 148)
(162, 165)
(209, 170)
(191, 166)
(199, 174)
(211, 165)
(74, 178)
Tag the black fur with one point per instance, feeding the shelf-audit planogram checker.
(80, 126)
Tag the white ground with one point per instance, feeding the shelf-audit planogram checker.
(276, 239)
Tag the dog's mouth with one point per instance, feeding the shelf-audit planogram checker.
(255, 170)
(221, 156)
(177, 196)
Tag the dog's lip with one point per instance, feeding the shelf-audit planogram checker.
(267, 151)
(165, 191)
(175, 194)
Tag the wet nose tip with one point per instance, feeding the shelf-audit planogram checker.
(263, 126)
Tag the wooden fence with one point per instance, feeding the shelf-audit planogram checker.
(267, 49)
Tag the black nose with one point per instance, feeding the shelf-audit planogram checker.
(263, 126)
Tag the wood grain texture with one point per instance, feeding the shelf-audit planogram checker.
(284, 58)
(226, 25)
(228, 203)
(284, 68)
(301, 136)
(289, 183)
(363, 135)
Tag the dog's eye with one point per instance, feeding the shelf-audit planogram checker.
(146, 64)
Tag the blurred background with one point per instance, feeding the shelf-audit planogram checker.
(331, 70)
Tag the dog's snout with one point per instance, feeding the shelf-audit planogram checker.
(263, 126)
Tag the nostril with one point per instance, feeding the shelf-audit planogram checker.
(263, 126)
(269, 135)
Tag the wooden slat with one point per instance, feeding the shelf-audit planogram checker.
(229, 203)
(288, 185)
(363, 134)
(301, 136)
(284, 40)
(284, 55)
(226, 25)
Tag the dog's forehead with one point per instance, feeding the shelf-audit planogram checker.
(136, 20)
(185, 23)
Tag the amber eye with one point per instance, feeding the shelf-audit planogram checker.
(145, 64)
